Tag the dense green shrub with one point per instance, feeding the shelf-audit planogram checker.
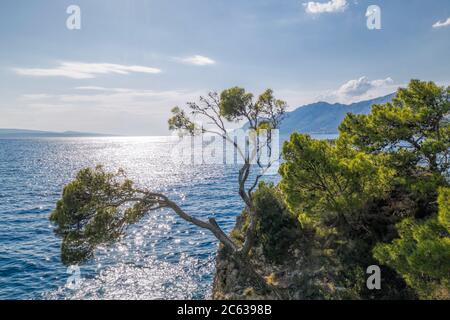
(422, 253)
(379, 181)
(277, 228)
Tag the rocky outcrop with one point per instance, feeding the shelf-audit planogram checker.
(293, 276)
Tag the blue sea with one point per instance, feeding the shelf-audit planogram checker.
(161, 257)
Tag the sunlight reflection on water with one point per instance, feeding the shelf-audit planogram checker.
(161, 257)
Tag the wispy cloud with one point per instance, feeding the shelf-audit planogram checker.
(442, 24)
(81, 70)
(126, 96)
(116, 90)
(197, 60)
(112, 97)
(119, 110)
(314, 7)
(37, 96)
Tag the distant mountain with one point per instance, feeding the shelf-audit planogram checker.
(22, 133)
(323, 117)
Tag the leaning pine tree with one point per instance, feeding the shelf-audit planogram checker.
(97, 206)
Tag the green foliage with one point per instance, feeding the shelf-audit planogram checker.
(180, 121)
(444, 208)
(414, 128)
(384, 170)
(277, 228)
(421, 254)
(92, 212)
(330, 183)
(235, 103)
(413, 136)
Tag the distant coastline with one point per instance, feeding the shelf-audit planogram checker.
(24, 133)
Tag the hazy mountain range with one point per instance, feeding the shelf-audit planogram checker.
(318, 118)
(323, 117)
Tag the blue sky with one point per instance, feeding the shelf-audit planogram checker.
(132, 61)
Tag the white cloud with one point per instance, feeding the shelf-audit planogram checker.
(125, 96)
(325, 7)
(441, 24)
(94, 88)
(114, 97)
(197, 60)
(361, 86)
(37, 96)
(81, 70)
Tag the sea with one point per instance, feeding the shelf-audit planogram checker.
(160, 257)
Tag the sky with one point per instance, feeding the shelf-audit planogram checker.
(132, 61)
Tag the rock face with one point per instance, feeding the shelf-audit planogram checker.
(286, 257)
(285, 262)
(231, 282)
(293, 275)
